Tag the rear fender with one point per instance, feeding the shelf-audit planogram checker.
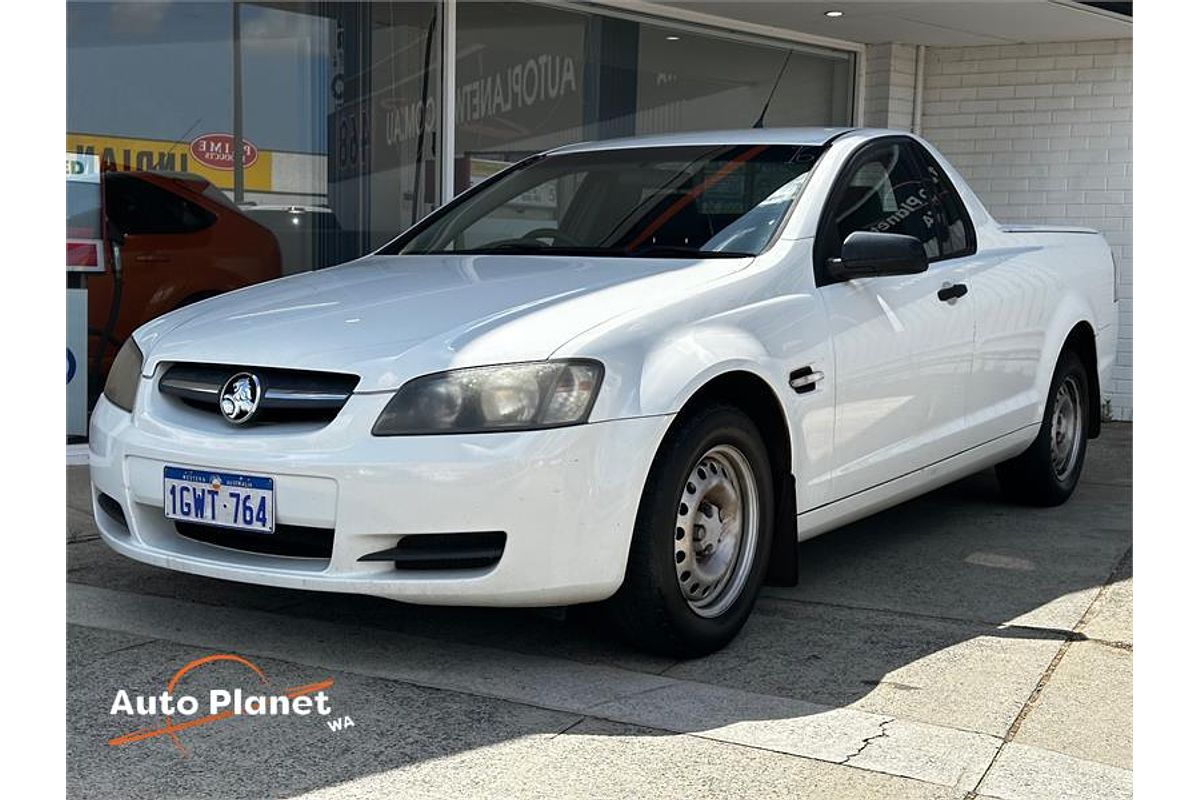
(1070, 312)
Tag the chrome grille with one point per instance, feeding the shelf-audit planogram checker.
(287, 394)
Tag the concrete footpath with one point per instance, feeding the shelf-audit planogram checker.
(954, 647)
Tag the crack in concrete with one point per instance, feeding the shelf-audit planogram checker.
(882, 734)
(987, 627)
(571, 727)
(1126, 646)
(629, 695)
(1036, 695)
(103, 653)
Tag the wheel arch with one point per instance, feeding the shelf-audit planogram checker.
(752, 394)
(1082, 340)
(1071, 326)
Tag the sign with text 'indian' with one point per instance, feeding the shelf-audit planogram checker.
(210, 156)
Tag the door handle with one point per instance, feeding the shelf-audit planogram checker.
(149, 257)
(949, 293)
(805, 379)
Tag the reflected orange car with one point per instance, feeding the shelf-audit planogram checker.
(180, 240)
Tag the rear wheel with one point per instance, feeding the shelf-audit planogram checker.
(701, 540)
(1047, 472)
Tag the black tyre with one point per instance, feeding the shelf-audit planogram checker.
(702, 537)
(1046, 473)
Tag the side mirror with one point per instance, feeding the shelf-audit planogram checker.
(867, 254)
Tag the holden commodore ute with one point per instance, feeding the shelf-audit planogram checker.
(632, 373)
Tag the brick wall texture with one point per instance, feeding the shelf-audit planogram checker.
(1042, 132)
(889, 85)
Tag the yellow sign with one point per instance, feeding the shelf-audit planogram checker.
(159, 155)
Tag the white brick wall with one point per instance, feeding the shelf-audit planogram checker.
(1042, 133)
(889, 82)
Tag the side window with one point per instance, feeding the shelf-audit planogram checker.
(139, 207)
(957, 235)
(885, 193)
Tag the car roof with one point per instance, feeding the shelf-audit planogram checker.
(797, 136)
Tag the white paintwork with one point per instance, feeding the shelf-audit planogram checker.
(902, 370)
(916, 392)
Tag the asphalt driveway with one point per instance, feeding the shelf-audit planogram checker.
(954, 647)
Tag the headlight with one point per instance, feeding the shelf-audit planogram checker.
(122, 383)
(540, 394)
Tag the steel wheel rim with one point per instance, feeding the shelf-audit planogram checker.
(716, 530)
(1066, 427)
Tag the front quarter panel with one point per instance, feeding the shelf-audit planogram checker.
(765, 321)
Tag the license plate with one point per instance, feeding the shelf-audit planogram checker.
(245, 502)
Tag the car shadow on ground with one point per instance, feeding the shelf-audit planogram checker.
(889, 617)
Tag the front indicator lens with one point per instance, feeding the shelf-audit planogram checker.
(540, 394)
(121, 386)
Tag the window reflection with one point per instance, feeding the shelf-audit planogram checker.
(243, 141)
(529, 77)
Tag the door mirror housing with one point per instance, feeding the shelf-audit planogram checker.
(867, 254)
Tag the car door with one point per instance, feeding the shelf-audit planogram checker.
(1008, 290)
(902, 345)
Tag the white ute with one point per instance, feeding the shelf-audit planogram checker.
(633, 372)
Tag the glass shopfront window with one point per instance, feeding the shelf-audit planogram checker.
(236, 142)
(529, 77)
(334, 106)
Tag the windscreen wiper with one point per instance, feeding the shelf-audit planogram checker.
(524, 248)
(683, 251)
(648, 251)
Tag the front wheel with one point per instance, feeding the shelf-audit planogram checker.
(1047, 472)
(702, 537)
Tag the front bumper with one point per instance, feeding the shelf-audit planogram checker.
(566, 498)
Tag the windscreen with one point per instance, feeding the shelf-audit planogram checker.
(651, 202)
